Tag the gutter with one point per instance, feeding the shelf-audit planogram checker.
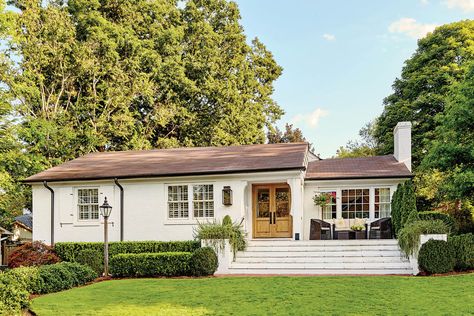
(359, 177)
(121, 207)
(145, 176)
(45, 183)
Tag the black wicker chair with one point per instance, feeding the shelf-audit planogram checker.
(319, 230)
(381, 229)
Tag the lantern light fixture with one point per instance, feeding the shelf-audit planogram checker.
(227, 195)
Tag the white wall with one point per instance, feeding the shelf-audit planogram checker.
(311, 188)
(145, 207)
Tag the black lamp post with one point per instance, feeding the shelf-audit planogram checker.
(105, 210)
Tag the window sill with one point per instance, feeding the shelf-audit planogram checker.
(188, 221)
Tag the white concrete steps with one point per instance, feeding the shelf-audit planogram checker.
(321, 257)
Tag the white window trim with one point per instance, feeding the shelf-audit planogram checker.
(339, 189)
(190, 220)
(76, 203)
(390, 193)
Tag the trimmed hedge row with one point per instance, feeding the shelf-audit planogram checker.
(17, 284)
(463, 247)
(68, 251)
(151, 264)
(62, 276)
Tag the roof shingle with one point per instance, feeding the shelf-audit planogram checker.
(178, 162)
(353, 168)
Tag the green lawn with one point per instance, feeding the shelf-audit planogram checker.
(388, 295)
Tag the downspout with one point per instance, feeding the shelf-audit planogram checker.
(121, 207)
(45, 183)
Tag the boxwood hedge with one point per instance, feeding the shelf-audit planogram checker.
(150, 264)
(17, 284)
(463, 247)
(436, 256)
(67, 251)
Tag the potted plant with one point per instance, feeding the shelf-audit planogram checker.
(322, 199)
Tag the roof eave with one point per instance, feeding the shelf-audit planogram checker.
(205, 173)
(359, 177)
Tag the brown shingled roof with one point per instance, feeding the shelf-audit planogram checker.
(357, 168)
(178, 162)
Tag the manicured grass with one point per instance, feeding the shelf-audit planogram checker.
(388, 295)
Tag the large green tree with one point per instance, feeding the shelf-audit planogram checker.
(98, 75)
(107, 75)
(452, 150)
(419, 95)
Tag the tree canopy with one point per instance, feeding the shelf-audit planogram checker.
(289, 135)
(452, 149)
(80, 76)
(364, 148)
(419, 95)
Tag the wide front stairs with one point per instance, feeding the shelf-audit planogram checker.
(277, 256)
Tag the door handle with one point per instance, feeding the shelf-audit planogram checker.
(271, 217)
(274, 218)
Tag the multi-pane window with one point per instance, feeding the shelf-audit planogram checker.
(178, 205)
(382, 202)
(329, 210)
(355, 203)
(88, 204)
(203, 200)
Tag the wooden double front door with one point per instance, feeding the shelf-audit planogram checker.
(271, 210)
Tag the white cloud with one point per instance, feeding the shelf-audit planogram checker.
(465, 5)
(424, 2)
(329, 37)
(310, 119)
(411, 28)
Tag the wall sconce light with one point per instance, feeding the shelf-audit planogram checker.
(227, 195)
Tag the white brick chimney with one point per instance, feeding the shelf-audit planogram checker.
(402, 143)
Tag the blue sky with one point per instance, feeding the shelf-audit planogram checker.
(340, 58)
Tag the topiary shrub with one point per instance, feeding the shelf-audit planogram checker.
(227, 221)
(409, 236)
(91, 258)
(32, 254)
(150, 264)
(204, 262)
(436, 256)
(433, 215)
(463, 247)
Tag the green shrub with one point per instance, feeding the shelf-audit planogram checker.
(227, 221)
(62, 276)
(409, 236)
(68, 251)
(204, 262)
(433, 215)
(217, 232)
(15, 285)
(463, 247)
(436, 256)
(91, 258)
(150, 264)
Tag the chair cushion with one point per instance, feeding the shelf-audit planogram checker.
(359, 222)
(341, 223)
